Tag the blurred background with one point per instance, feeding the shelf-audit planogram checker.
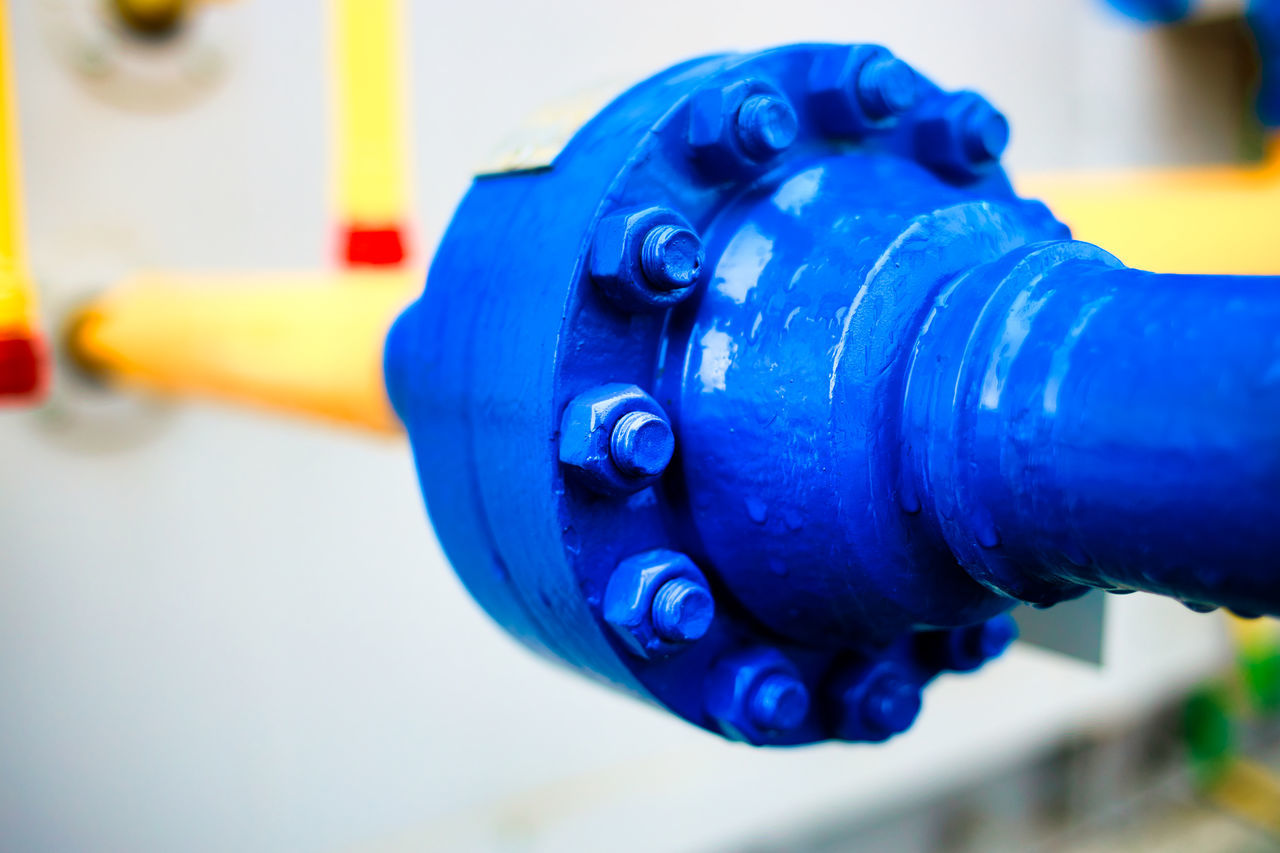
(222, 630)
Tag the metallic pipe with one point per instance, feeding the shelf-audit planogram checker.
(1077, 423)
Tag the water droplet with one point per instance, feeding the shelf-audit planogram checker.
(984, 529)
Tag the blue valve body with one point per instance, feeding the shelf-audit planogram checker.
(902, 400)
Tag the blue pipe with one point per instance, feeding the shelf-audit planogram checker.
(766, 399)
(1075, 423)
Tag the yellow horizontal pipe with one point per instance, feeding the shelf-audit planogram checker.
(1249, 791)
(17, 299)
(310, 343)
(1211, 220)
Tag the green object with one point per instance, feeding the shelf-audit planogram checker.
(1260, 670)
(1210, 732)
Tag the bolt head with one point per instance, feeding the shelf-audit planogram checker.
(658, 603)
(986, 132)
(757, 695)
(736, 130)
(610, 456)
(646, 260)
(861, 89)
(961, 136)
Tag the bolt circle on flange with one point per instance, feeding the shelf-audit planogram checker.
(756, 695)
(615, 439)
(646, 260)
(961, 136)
(658, 602)
(738, 129)
(860, 90)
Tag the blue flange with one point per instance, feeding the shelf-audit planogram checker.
(769, 397)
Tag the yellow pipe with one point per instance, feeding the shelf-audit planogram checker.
(1212, 219)
(1250, 791)
(21, 362)
(371, 135)
(307, 343)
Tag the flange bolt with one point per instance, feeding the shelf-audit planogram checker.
(961, 136)
(985, 132)
(766, 126)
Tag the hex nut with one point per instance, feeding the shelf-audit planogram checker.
(875, 701)
(738, 129)
(598, 430)
(757, 696)
(961, 136)
(658, 603)
(646, 260)
(860, 90)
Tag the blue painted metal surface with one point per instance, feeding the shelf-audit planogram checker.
(769, 398)
(1264, 21)
(1162, 11)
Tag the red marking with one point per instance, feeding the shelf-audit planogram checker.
(22, 366)
(373, 247)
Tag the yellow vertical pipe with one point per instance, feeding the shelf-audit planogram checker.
(21, 362)
(371, 138)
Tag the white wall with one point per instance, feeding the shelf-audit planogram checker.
(220, 631)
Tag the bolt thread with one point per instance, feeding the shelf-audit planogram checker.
(767, 126)
(671, 257)
(682, 610)
(641, 444)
